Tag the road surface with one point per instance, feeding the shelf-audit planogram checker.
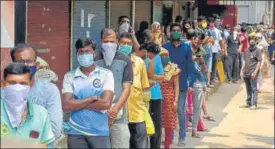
(235, 125)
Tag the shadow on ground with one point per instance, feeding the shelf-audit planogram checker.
(259, 138)
(266, 98)
(219, 100)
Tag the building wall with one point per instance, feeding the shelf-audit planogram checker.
(256, 10)
(7, 32)
(48, 30)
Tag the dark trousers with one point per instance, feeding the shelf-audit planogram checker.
(138, 138)
(155, 112)
(214, 66)
(232, 67)
(251, 91)
(88, 142)
(224, 60)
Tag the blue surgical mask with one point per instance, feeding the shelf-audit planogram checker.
(15, 98)
(85, 60)
(125, 49)
(33, 70)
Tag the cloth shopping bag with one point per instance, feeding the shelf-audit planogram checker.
(150, 128)
(220, 71)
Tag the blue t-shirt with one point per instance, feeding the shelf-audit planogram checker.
(87, 121)
(158, 70)
(182, 56)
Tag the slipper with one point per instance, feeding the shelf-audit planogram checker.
(209, 118)
(195, 135)
(204, 130)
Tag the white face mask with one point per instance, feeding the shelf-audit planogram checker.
(109, 51)
(16, 102)
(124, 27)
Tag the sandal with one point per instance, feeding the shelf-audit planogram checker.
(204, 130)
(195, 134)
(209, 118)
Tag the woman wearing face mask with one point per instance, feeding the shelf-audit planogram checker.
(170, 91)
(155, 74)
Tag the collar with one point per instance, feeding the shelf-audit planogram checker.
(30, 110)
(79, 73)
(175, 46)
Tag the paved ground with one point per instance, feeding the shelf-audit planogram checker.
(236, 126)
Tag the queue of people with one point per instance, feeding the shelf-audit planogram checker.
(138, 83)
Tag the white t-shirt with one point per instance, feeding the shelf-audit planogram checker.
(216, 46)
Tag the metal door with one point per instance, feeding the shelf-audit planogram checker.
(243, 15)
(142, 12)
(88, 21)
(119, 8)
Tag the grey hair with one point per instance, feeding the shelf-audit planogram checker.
(106, 32)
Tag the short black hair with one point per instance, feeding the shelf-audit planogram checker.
(191, 34)
(201, 18)
(173, 25)
(122, 17)
(227, 26)
(16, 69)
(126, 35)
(19, 47)
(178, 19)
(152, 47)
(211, 19)
(201, 36)
(243, 29)
(83, 42)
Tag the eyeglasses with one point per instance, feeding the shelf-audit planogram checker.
(26, 62)
(85, 52)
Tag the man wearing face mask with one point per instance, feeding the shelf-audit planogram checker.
(121, 67)
(19, 117)
(42, 92)
(232, 60)
(217, 48)
(180, 53)
(136, 104)
(251, 64)
(88, 94)
(124, 25)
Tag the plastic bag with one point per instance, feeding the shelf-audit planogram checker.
(150, 128)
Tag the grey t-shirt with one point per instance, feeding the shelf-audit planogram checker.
(232, 45)
(122, 71)
(251, 57)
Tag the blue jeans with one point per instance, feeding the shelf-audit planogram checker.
(251, 90)
(181, 115)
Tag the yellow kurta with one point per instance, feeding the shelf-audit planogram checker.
(136, 106)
